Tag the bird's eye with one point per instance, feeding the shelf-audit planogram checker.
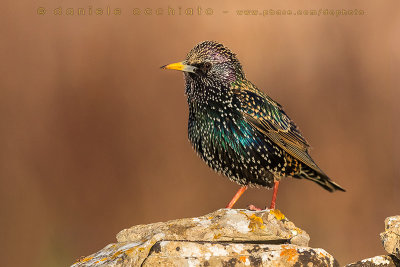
(202, 68)
(206, 66)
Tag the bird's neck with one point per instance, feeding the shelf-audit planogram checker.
(206, 96)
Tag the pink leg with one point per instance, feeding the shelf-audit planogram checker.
(236, 197)
(273, 201)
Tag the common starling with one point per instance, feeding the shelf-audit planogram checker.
(238, 130)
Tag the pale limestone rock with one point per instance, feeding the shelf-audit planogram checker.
(178, 253)
(377, 261)
(391, 237)
(222, 238)
(223, 225)
(391, 242)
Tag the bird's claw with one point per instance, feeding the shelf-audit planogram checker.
(253, 208)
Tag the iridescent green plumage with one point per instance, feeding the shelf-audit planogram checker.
(237, 129)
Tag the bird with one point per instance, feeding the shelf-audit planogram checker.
(237, 129)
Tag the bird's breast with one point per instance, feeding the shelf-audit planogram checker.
(229, 145)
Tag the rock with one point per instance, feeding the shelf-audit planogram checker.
(378, 261)
(223, 225)
(178, 253)
(391, 237)
(226, 237)
(391, 242)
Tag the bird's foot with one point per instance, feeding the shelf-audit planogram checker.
(253, 208)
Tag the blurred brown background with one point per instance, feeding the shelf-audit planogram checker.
(93, 135)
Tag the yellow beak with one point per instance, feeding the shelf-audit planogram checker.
(180, 66)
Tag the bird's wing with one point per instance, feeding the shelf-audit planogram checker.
(268, 117)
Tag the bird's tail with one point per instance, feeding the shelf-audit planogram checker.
(320, 178)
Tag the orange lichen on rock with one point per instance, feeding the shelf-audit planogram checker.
(298, 230)
(133, 250)
(243, 259)
(256, 222)
(216, 236)
(278, 214)
(290, 253)
(83, 259)
(116, 254)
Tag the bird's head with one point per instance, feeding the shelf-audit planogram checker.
(210, 61)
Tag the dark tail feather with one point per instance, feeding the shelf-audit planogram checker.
(320, 178)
